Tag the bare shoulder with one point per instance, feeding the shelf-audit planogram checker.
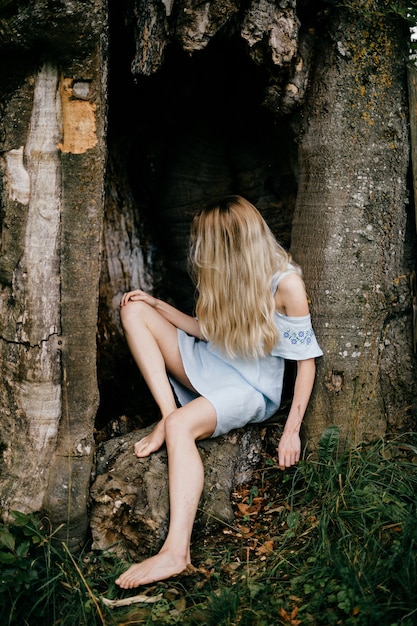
(291, 297)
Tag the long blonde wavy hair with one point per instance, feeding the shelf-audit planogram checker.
(233, 256)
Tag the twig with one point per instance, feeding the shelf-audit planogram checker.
(132, 600)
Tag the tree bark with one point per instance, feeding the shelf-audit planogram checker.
(54, 112)
(350, 229)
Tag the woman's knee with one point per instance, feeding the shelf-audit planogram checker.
(134, 313)
(196, 419)
(175, 425)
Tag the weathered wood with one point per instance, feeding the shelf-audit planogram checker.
(83, 168)
(270, 29)
(52, 135)
(278, 22)
(129, 497)
(33, 323)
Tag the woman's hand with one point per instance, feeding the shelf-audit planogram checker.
(136, 295)
(289, 449)
(178, 319)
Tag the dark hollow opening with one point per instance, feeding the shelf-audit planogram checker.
(191, 133)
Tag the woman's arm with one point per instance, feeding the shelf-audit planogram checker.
(291, 299)
(289, 448)
(177, 318)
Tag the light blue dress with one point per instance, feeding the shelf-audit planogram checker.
(244, 391)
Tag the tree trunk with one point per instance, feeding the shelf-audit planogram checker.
(350, 229)
(54, 108)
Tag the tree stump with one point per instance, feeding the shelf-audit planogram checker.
(129, 497)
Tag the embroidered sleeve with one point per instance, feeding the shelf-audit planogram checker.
(297, 340)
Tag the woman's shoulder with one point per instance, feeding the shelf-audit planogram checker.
(291, 274)
(290, 281)
(290, 295)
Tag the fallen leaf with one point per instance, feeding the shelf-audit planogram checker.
(243, 529)
(277, 509)
(290, 619)
(284, 614)
(265, 548)
(248, 509)
(295, 599)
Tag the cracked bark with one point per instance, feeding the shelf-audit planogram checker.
(52, 137)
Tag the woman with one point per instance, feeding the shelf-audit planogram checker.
(226, 365)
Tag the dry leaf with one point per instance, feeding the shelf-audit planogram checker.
(265, 548)
(295, 599)
(277, 509)
(243, 529)
(290, 619)
(284, 614)
(247, 509)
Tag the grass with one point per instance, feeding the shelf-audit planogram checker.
(330, 542)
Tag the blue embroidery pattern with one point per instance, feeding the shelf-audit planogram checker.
(299, 337)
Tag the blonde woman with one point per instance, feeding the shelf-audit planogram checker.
(226, 365)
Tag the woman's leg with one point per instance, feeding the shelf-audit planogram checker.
(153, 343)
(196, 420)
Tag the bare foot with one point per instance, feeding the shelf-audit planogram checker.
(159, 567)
(152, 442)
